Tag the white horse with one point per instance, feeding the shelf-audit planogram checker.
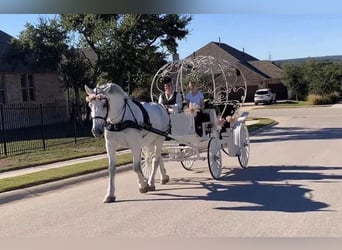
(121, 120)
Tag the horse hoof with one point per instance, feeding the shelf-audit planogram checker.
(109, 199)
(166, 180)
(151, 188)
(144, 190)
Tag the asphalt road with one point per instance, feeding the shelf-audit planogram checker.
(291, 188)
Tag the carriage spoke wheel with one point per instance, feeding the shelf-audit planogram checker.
(244, 146)
(146, 164)
(214, 158)
(187, 164)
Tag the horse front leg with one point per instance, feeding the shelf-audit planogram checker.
(111, 151)
(143, 186)
(158, 160)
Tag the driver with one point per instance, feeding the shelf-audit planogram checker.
(170, 99)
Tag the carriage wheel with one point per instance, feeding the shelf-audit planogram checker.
(214, 158)
(244, 146)
(187, 164)
(146, 164)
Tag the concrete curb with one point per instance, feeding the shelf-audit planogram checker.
(34, 191)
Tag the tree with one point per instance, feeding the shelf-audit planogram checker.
(41, 46)
(92, 48)
(323, 77)
(128, 47)
(74, 72)
(294, 79)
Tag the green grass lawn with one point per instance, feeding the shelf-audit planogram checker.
(67, 151)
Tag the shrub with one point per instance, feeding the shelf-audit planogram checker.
(323, 99)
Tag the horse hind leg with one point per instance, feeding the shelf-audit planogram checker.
(164, 178)
(151, 168)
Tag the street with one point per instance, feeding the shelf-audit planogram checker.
(292, 188)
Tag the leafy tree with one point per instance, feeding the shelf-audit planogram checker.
(74, 72)
(40, 46)
(323, 77)
(123, 48)
(128, 47)
(294, 79)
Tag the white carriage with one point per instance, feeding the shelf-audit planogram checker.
(224, 89)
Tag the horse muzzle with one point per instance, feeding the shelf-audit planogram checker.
(97, 132)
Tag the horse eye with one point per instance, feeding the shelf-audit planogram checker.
(105, 105)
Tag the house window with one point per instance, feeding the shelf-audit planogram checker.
(238, 73)
(2, 89)
(27, 87)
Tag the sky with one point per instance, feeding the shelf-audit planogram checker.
(266, 36)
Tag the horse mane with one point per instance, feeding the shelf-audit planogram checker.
(113, 88)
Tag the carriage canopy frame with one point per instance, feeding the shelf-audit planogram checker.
(220, 81)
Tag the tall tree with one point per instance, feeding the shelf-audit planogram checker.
(294, 79)
(126, 45)
(74, 72)
(41, 46)
(324, 77)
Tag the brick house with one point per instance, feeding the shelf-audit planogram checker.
(21, 86)
(258, 73)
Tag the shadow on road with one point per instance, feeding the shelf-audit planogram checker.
(259, 188)
(297, 133)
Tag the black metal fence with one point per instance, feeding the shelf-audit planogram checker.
(31, 127)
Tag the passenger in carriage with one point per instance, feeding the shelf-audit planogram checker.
(170, 99)
(194, 96)
(195, 100)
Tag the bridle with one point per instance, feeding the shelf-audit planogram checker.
(99, 97)
(93, 97)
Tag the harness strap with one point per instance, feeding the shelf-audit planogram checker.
(123, 125)
(131, 124)
(147, 122)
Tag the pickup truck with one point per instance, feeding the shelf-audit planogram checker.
(264, 96)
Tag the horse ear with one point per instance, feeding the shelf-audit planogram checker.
(88, 90)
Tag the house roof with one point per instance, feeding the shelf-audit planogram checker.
(256, 68)
(5, 45)
(267, 67)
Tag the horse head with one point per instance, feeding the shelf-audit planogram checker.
(106, 104)
(98, 103)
